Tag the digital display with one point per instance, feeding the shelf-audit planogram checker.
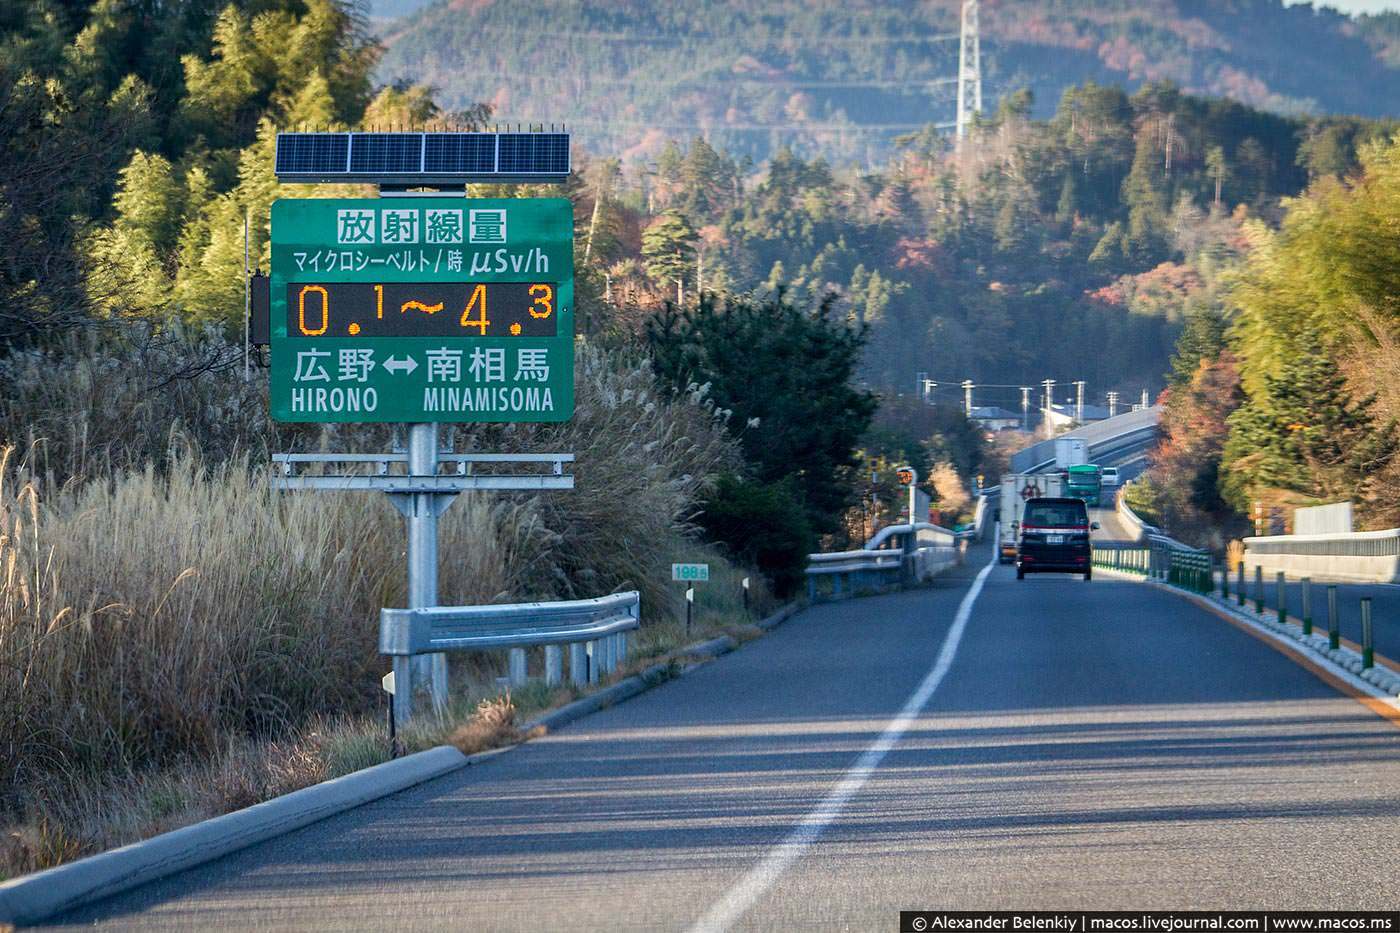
(422, 309)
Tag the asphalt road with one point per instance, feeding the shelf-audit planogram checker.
(1086, 745)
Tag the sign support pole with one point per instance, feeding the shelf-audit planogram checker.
(422, 519)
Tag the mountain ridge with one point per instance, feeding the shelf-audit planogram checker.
(845, 80)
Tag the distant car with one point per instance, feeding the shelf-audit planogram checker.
(1054, 538)
(1110, 476)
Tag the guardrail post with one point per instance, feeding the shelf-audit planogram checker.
(1334, 631)
(1239, 583)
(403, 691)
(593, 661)
(622, 648)
(1368, 652)
(1281, 584)
(553, 665)
(1258, 589)
(517, 667)
(578, 664)
(1307, 605)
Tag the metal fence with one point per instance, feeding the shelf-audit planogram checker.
(1161, 558)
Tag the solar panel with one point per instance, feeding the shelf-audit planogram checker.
(311, 153)
(534, 154)
(460, 153)
(422, 158)
(386, 153)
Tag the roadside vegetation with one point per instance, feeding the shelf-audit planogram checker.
(1283, 390)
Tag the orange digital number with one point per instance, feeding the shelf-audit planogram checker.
(543, 296)
(477, 302)
(325, 311)
(379, 302)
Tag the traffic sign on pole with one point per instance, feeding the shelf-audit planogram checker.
(422, 309)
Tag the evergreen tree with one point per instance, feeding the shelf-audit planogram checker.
(668, 248)
(1305, 433)
(785, 372)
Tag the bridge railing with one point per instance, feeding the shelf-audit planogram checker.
(1163, 558)
(1358, 556)
(1130, 518)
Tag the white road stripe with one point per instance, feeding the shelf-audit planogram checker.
(766, 873)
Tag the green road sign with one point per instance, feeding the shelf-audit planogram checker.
(422, 309)
(690, 573)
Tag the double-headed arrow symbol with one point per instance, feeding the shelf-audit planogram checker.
(405, 365)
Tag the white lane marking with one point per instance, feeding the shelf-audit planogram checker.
(762, 876)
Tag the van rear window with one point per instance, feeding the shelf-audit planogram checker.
(1056, 515)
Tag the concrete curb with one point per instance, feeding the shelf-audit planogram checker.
(1378, 682)
(781, 616)
(35, 897)
(32, 898)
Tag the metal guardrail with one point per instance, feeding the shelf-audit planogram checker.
(926, 534)
(594, 629)
(889, 557)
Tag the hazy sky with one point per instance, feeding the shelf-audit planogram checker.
(1360, 6)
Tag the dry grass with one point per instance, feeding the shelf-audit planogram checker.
(179, 640)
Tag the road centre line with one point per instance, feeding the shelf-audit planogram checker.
(744, 894)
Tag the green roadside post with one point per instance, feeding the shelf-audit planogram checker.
(1307, 605)
(1258, 589)
(1225, 583)
(1281, 586)
(1368, 652)
(1334, 632)
(1239, 584)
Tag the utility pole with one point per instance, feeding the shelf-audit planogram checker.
(967, 397)
(1112, 404)
(1144, 398)
(1049, 385)
(921, 385)
(1079, 401)
(929, 386)
(969, 69)
(1025, 408)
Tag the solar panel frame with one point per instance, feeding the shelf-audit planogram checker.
(422, 158)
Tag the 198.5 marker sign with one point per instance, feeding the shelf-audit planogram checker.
(422, 309)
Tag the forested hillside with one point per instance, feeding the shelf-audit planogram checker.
(843, 80)
(1069, 248)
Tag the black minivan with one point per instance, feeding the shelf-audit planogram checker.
(1054, 538)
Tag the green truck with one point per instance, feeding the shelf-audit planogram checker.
(1084, 482)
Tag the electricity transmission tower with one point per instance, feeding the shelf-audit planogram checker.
(969, 69)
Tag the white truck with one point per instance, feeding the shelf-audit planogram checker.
(1016, 488)
(1071, 451)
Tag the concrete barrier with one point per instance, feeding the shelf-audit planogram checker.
(1357, 557)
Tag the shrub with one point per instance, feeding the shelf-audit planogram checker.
(762, 524)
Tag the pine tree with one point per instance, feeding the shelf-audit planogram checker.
(668, 248)
(1305, 433)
